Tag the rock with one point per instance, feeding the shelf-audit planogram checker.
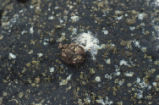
(72, 53)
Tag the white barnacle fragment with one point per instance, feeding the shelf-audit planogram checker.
(12, 56)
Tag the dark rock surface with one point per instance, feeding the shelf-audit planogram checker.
(126, 68)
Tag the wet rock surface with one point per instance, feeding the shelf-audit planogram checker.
(125, 68)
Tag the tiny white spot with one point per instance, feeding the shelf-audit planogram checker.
(56, 7)
(129, 74)
(50, 18)
(61, 21)
(107, 76)
(121, 82)
(52, 69)
(69, 77)
(12, 56)
(40, 54)
(97, 79)
(105, 32)
(117, 73)
(31, 30)
(46, 42)
(119, 18)
(126, 15)
(74, 31)
(138, 80)
(105, 101)
(132, 28)
(140, 95)
(21, 11)
(136, 43)
(65, 81)
(107, 61)
(141, 16)
(123, 62)
(23, 32)
(154, 84)
(31, 6)
(157, 2)
(74, 18)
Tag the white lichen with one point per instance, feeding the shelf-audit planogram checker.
(89, 43)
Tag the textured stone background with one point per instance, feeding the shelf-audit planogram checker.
(126, 69)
